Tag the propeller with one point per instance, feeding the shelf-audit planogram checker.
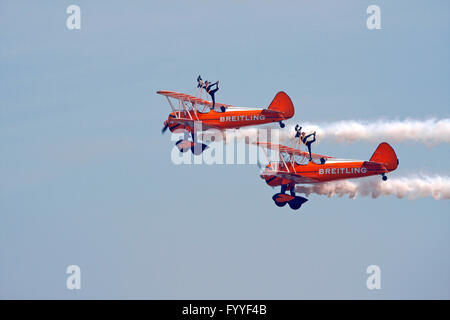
(261, 166)
(164, 128)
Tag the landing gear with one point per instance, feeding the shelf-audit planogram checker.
(280, 204)
(292, 191)
(282, 125)
(295, 202)
(198, 148)
(184, 145)
(384, 177)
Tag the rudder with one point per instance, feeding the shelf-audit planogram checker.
(385, 154)
(282, 103)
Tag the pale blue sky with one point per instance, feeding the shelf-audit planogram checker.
(87, 177)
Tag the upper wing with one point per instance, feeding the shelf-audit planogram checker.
(184, 97)
(289, 150)
(192, 99)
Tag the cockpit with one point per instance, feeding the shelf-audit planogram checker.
(300, 160)
(207, 109)
(303, 160)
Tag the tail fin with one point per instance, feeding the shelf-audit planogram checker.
(385, 155)
(282, 103)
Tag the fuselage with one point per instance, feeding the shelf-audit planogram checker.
(230, 119)
(278, 173)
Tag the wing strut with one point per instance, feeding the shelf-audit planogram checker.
(284, 162)
(170, 102)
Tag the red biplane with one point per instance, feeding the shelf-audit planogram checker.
(191, 110)
(294, 168)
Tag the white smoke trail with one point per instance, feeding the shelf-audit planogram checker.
(429, 132)
(412, 187)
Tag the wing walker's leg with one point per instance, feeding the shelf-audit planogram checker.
(309, 150)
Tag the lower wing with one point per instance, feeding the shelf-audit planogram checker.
(191, 124)
(295, 177)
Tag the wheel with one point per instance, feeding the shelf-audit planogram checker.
(297, 202)
(198, 148)
(181, 145)
(282, 204)
(384, 178)
(282, 125)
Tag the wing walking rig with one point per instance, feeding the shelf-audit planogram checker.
(187, 110)
(294, 168)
